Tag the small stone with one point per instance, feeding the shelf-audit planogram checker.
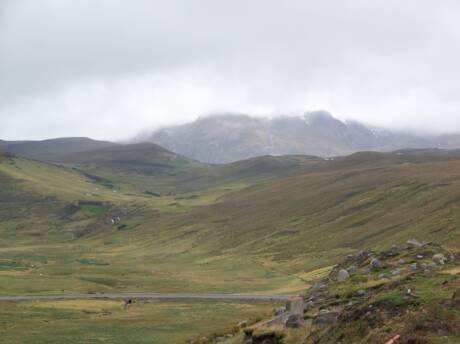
(396, 272)
(414, 266)
(326, 317)
(375, 264)
(439, 259)
(411, 293)
(295, 321)
(308, 305)
(392, 252)
(318, 285)
(412, 243)
(401, 261)
(352, 269)
(361, 292)
(242, 324)
(419, 256)
(383, 275)
(343, 275)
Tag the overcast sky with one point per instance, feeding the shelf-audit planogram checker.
(111, 68)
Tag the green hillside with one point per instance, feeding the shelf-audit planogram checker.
(150, 169)
(86, 236)
(265, 225)
(50, 149)
(286, 226)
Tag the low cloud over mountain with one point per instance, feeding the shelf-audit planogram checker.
(230, 137)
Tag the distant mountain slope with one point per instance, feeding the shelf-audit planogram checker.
(233, 137)
(140, 156)
(150, 168)
(48, 149)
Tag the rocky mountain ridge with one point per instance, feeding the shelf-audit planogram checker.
(231, 137)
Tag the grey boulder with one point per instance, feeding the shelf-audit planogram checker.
(375, 264)
(439, 259)
(343, 275)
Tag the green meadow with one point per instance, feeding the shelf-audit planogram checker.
(102, 321)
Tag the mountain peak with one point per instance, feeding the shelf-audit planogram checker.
(228, 137)
(319, 116)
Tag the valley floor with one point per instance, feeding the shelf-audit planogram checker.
(107, 321)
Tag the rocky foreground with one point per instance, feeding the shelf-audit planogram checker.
(406, 294)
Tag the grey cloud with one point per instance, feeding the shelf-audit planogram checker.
(111, 68)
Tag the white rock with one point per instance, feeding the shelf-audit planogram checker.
(414, 243)
(343, 275)
(439, 259)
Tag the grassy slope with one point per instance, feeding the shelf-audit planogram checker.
(49, 149)
(84, 253)
(203, 241)
(311, 220)
(350, 206)
(150, 169)
(271, 236)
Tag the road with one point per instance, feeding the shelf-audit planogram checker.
(150, 296)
